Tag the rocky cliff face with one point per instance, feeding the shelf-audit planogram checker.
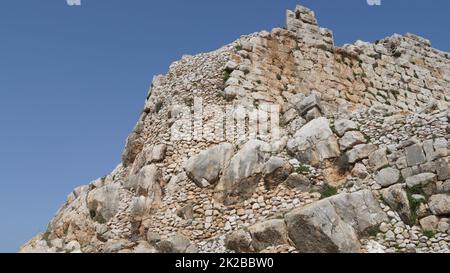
(279, 142)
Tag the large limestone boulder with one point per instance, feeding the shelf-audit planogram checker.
(116, 246)
(205, 168)
(298, 181)
(387, 177)
(308, 103)
(397, 198)
(333, 224)
(276, 171)
(269, 233)
(73, 221)
(426, 181)
(443, 168)
(239, 241)
(420, 180)
(176, 244)
(149, 155)
(314, 142)
(360, 152)
(133, 144)
(143, 205)
(351, 139)
(415, 155)
(378, 159)
(360, 209)
(103, 203)
(242, 175)
(440, 204)
(147, 182)
(72, 246)
(344, 125)
(319, 229)
(429, 223)
(144, 247)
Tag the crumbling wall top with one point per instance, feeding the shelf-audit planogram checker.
(302, 21)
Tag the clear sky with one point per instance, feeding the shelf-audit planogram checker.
(73, 80)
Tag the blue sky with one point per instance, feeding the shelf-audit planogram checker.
(73, 80)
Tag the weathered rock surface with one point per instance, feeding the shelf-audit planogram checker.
(397, 198)
(146, 182)
(344, 125)
(314, 142)
(360, 152)
(150, 154)
(351, 139)
(429, 223)
(205, 168)
(242, 175)
(333, 224)
(103, 203)
(415, 155)
(176, 244)
(240, 241)
(378, 160)
(298, 181)
(420, 180)
(387, 177)
(269, 233)
(440, 204)
(276, 171)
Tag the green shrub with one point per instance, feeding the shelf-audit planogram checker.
(414, 204)
(374, 231)
(226, 76)
(328, 191)
(303, 169)
(429, 233)
(333, 127)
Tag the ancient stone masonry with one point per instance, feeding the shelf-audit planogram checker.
(360, 161)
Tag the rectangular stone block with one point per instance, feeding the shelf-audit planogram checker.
(407, 172)
(415, 155)
(443, 169)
